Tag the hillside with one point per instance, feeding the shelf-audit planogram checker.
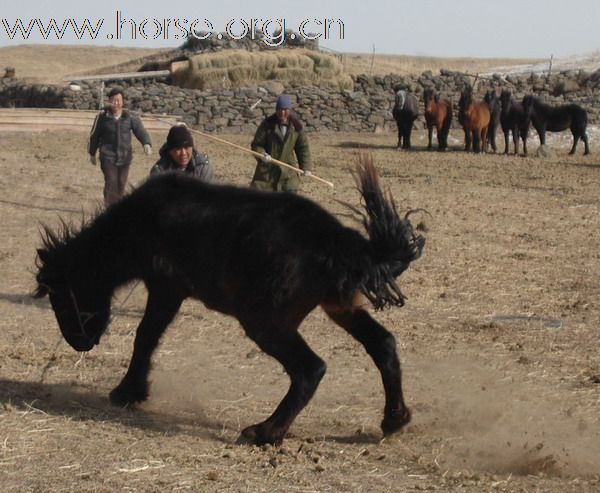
(50, 64)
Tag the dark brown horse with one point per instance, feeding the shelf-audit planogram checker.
(475, 119)
(438, 114)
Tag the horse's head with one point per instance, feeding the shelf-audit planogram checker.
(81, 310)
(505, 99)
(528, 104)
(491, 98)
(428, 98)
(466, 99)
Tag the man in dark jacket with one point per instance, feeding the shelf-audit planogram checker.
(178, 154)
(280, 136)
(111, 133)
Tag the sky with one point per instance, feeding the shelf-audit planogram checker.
(445, 28)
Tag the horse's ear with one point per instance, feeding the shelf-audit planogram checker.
(43, 254)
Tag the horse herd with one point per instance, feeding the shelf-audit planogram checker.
(480, 119)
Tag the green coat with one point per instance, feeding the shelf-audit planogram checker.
(293, 149)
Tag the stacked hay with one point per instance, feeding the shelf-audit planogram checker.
(239, 68)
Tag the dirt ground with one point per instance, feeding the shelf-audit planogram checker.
(498, 340)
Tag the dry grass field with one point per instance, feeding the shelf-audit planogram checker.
(499, 341)
(362, 63)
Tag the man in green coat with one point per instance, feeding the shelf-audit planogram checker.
(280, 136)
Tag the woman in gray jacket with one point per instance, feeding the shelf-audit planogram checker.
(111, 134)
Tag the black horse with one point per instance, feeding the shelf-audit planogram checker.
(493, 103)
(405, 112)
(513, 119)
(556, 119)
(267, 259)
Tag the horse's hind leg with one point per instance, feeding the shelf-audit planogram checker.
(162, 305)
(575, 140)
(399, 125)
(407, 132)
(381, 346)
(303, 366)
(524, 134)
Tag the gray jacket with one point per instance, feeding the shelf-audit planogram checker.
(198, 167)
(113, 136)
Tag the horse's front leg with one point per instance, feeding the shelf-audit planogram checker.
(524, 134)
(542, 135)
(586, 144)
(476, 142)
(380, 344)
(506, 141)
(304, 368)
(162, 305)
(430, 136)
(467, 140)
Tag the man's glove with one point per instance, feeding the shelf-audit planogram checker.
(266, 158)
(147, 149)
(93, 159)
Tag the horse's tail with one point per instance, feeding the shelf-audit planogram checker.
(400, 99)
(393, 244)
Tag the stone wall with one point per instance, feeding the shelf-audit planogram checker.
(367, 107)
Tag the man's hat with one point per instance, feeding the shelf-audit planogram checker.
(284, 102)
(179, 136)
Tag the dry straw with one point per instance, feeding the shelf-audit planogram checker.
(238, 68)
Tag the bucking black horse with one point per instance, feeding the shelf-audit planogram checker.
(267, 259)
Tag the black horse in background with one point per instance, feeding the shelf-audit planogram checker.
(493, 103)
(405, 112)
(267, 259)
(556, 119)
(513, 119)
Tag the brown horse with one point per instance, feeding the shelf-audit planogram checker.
(438, 114)
(475, 119)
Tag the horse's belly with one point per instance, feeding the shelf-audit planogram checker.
(557, 128)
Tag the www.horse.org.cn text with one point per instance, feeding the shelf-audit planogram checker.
(271, 31)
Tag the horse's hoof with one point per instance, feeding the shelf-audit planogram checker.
(396, 421)
(258, 435)
(122, 397)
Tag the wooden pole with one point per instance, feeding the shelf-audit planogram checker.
(254, 153)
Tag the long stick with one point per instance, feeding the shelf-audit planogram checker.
(254, 153)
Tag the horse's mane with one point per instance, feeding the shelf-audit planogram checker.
(54, 242)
